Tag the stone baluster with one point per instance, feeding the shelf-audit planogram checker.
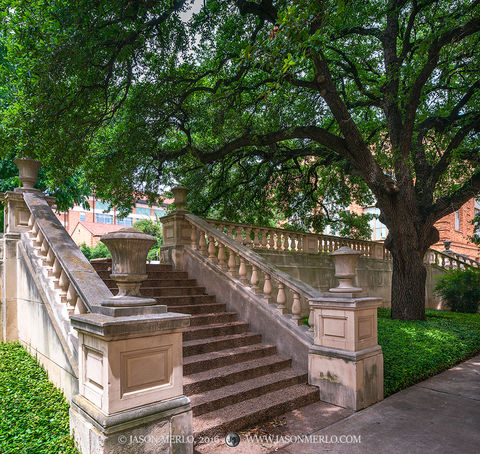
(271, 240)
(248, 241)
(44, 248)
(194, 237)
(256, 241)
(254, 280)
(232, 263)
(57, 269)
(242, 271)
(222, 256)
(311, 321)
(264, 238)
(230, 230)
(281, 298)
(296, 308)
(203, 243)
(267, 289)
(71, 299)
(50, 258)
(212, 250)
(38, 239)
(278, 245)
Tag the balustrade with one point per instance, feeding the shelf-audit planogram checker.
(229, 247)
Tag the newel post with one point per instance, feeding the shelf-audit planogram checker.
(345, 360)
(16, 217)
(176, 230)
(130, 365)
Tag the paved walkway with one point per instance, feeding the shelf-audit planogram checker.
(440, 416)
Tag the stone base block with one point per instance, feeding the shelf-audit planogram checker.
(162, 427)
(348, 379)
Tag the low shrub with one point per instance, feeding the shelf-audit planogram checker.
(100, 251)
(33, 413)
(416, 350)
(460, 289)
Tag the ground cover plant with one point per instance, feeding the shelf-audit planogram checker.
(33, 413)
(416, 350)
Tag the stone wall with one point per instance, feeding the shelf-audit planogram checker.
(373, 275)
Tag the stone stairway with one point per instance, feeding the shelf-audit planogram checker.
(233, 380)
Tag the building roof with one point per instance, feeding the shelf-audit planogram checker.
(97, 229)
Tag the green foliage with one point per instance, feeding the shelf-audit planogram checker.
(33, 413)
(460, 289)
(155, 229)
(416, 350)
(97, 252)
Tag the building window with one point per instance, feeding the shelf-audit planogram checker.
(125, 221)
(82, 216)
(379, 230)
(104, 218)
(143, 211)
(159, 213)
(457, 220)
(101, 206)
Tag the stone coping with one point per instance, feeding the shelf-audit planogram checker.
(111, 328)
(345, 354)
(87, 283)
(130, 418)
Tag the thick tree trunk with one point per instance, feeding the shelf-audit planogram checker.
(408, 285)
(408, 240)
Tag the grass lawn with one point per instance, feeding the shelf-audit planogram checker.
(413, 351)
(33, 413)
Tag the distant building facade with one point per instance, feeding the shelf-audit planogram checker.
(87, 226)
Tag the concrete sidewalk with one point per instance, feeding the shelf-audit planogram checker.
(440, 416)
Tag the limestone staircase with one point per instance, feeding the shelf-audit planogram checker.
(233, 380)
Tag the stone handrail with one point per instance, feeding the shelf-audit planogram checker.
(450, 260)
(80, 285)
(276, 239)
(236, 259)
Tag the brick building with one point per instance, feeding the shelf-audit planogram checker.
(456, 227)
(87, 226)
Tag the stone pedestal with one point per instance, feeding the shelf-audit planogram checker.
(345, 361)
(176, 230)
(9, 287)
(131, 385)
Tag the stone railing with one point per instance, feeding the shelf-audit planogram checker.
(275, 239)
(285, 294)
(79, 285)
(450, 260)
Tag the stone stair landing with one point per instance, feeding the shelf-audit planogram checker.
(233, 380)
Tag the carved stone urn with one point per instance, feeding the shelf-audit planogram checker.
(180, 196)
(345, 260)
(28, 172)
(129, 248)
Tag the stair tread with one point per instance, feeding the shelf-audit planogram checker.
(224, 353)
(215, 325)
(232, 369)
(243, 413)
(191, 343)
(246, 385)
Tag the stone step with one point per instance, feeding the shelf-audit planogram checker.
(234, 373)
(107, 265)
(172, 291)
(213, 317)
(214, 329)
(197, 308)
(212, 360)
(186, 300)
(251, 412)
(198, 346)
(158, 283)
(248, 389)
(105, 275)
